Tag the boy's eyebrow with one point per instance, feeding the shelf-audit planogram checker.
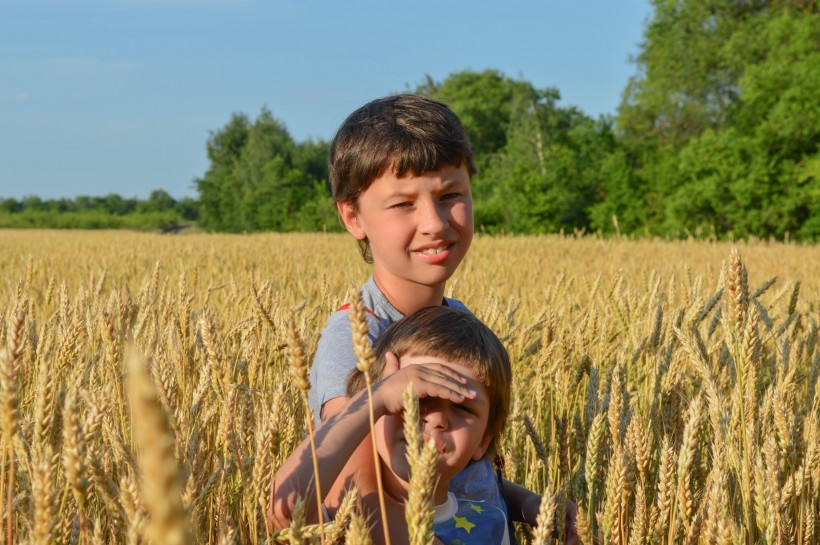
(445, 184)
(451, 181)
(400, 195)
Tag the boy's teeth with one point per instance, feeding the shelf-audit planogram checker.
(431, 251)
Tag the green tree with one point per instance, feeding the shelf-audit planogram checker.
(539, 163)
(260, 179)
(721, 119)
(484, 101)
(158, 201)
(219, 191)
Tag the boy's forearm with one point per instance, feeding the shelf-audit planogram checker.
(336, 440)
(522, 504)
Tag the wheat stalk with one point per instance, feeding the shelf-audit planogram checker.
(162, 482)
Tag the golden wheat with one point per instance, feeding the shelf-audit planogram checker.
(615, 344)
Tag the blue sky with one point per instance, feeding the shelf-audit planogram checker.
(119, 96)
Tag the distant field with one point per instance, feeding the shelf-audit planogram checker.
(666, 415)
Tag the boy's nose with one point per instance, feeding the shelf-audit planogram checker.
(434, 218)
(433, 415)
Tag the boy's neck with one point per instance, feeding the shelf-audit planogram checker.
(410, 296)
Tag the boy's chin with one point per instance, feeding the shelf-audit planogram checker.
(401, 471)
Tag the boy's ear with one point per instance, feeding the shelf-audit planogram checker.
(482, 447)
(350, 217)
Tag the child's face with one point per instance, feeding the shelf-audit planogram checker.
(419, 227)
(457, 429)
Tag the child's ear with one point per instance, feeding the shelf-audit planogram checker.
(482, 447)
(350, 217)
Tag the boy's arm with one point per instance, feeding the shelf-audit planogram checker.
(332, 406)
(338, 437)
(523, 506)
(336, 440)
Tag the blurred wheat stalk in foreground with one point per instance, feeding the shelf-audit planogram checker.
(151, 404)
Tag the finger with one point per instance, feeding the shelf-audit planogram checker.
(391, 364)
(444, 370)
(434, 383)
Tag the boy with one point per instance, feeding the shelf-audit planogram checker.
(461, 374)
(400, 172)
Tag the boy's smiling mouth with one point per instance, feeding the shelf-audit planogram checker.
(440, 446)
(432, 251)
(435, 253)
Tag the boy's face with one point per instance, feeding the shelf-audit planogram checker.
(419, 227)
(457, 429)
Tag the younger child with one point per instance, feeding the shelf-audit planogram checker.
(461, 374)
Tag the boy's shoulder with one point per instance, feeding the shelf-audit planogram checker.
(456, 304)
(379, 307)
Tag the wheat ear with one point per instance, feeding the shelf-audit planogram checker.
(540, 449)
(358, 533)
(592, 465)
(418, 510)
(42, 491)
(583, 527)
(9, 400)
(74, 454)
(161, 479)
(545, 521)
(364, 362)
(299, 372)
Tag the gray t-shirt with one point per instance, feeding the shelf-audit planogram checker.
(335, 359)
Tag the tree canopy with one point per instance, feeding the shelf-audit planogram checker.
(717, 132)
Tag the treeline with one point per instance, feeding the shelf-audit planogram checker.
(159, 212)
(716, 134)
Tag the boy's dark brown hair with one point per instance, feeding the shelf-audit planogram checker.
(455, 336)
(407, 133)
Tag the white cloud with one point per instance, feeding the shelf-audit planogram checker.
(21, 97)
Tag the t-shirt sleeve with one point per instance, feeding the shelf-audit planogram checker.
(335, 359)
(332, 363)
(456, 304)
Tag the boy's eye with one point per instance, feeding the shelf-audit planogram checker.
(404, 204)
(464, 409)
(449, 196)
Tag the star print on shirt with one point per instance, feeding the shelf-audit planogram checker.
(455, 525)
(462, 522)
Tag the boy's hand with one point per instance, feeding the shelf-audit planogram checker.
(571, 529)
(531, 506)
(429, 380)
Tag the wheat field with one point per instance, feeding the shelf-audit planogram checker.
(667, 388)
